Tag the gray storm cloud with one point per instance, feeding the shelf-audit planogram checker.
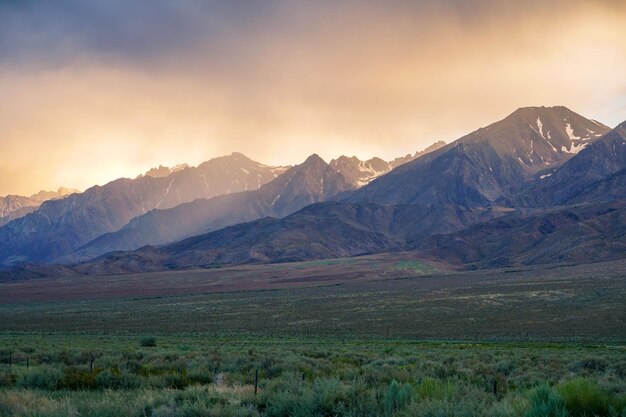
(96, 90)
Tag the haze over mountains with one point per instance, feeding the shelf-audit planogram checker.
(59, 227)
(304, 184)
(56, 231)
(310, 182)
(542, 185)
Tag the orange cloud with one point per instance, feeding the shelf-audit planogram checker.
(331, 77)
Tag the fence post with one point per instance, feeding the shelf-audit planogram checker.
(256, 379)
(495, 387)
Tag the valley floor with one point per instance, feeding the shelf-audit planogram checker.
(381, 335)
(378, 296)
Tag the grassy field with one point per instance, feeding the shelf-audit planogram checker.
(367, 297)
(371, 336)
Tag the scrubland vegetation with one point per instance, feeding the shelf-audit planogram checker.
(204, 375)
(518, 343)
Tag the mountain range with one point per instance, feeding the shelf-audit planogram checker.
(166, 204)
(543, 185)
(58, 227)
(307, 183)
(15, 206)
(310, 182)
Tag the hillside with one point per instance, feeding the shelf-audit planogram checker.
(583, 233)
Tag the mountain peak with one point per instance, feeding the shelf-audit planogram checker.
(164, 171)
(539, 137)
(534, 111)
(66, 191)
(359, 173)
(314, 159)
(13, 207)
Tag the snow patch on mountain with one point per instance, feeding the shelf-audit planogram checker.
(570, 132)
(540, 126)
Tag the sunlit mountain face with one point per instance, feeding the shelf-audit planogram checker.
(94, 91)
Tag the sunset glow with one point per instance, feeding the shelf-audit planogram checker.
(92, 91)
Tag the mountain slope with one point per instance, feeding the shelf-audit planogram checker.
(318, 231)
(59, 227)
(579, 234)
(307, 183)
(481, 167)
(598, 173)
(16, 206)
(219, 176)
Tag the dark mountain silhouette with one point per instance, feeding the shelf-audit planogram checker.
(581, 233)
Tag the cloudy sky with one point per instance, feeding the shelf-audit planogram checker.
(95, 90)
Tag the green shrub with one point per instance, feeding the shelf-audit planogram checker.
(328, 397)
(114, 379)
(510, 406)
(397, 397)
(7, 379)
(545, 402)
(590, 365)
(620, 369)
(175, 380)
(433, 388)
(148, 341)
(79, 379)
(584, 397)
(361, 400)
(42, 377)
